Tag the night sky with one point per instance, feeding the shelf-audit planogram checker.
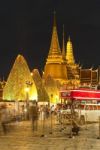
(26, 28)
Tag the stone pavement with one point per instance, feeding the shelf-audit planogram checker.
(21, 137)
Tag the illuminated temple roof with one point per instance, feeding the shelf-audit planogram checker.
(42, 94)
(54, 47)
(69, 52)
(20, 85)
(55, 66)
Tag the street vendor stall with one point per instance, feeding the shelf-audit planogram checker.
(87, 100)
(88, 107)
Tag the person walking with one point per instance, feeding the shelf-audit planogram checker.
(3, 117)
(33, 114)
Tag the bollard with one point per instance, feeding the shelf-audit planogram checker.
(99, 129)
(71, 134)
(50, 122)
(71, 119)
(61, 121)
(86, 121)
(42, 122)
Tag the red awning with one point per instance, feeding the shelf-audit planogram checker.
(81, 94)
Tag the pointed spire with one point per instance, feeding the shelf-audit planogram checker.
(69, 52)
(3, 79)
(63, 45)
(54, 48)
(69, 38)
(54, 21)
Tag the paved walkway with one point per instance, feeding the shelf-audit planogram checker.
(21, 137)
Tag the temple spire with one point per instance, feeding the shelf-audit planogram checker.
(69, 38)
(63, 46)
(55, 64)
(69, 52)
(54, 47)
(54, 21)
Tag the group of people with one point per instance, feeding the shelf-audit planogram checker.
(8, 114)
(35, 112)
(38, 113)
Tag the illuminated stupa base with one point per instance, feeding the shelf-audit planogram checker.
(20, 85)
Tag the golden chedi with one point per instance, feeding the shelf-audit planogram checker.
(55, 64)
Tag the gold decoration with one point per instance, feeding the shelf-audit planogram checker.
(17, 82)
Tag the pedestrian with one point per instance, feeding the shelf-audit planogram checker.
(52, 109)
(3, 117)
(47, 111)
(75, 128)
(42, 117)
(33, 114)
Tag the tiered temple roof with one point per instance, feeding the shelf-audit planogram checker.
(55, 66)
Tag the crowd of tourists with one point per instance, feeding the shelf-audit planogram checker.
(33, 113)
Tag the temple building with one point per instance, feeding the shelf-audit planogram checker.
(20, 84)
(52, 89)
(41, 91)
(60, 64)
(60, 72)
(72, 67)
(89, 77)
(2, 84)
(55, 64)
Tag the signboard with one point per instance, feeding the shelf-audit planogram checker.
(81, 94)
(65, 94)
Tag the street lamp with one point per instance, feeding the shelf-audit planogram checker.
(51, 115)
(28, 85)
(27, 93)
(56, 99)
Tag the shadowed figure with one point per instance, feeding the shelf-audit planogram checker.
(33, 114)
(3, 117)
(75, 129)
